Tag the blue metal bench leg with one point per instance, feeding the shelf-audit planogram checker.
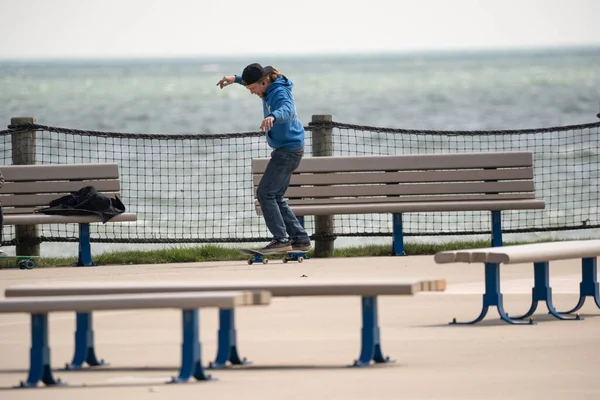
(191, 353)
(398, 236)
(543, 292)
(492, 295)
(85, 247)
(84, 344)
(39, 356)
(227, 350)
(371, 339)
(588, 285)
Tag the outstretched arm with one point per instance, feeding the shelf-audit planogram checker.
(226, 81)
(229, 79)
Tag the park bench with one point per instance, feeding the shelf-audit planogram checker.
(28, 188)
(227, 337)
(188, 302)
(540, 254)
(398, 184)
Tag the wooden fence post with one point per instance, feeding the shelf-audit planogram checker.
(322, 145)
(23, 152)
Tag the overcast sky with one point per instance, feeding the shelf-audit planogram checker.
(193, 28)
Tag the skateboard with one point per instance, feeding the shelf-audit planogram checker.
(292, 255)
(24, 262)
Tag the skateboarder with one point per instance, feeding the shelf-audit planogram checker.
(2, 253)
(285, 134)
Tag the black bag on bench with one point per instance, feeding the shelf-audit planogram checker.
(86, 201)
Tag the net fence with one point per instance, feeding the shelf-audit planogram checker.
(197, 188)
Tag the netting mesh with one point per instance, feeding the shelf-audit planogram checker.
(566, 165)
(198, 189)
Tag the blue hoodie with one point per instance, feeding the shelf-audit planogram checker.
(287, 132)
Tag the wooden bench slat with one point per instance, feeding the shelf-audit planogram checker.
(407, 162)
(22, 173)
(186, 300)
(496, 205)
(18, 210)
(28, 200)
(39, 218)
(276, 288)
(407, 177)
(58, 187)
(409, 199)
(527, 253)
(410, 189)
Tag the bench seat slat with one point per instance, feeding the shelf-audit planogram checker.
(409, 199)
(32, 219)
(58, 187)
(24, 173)
(29, 200)
(409, 189)
(496, 205)
(187, 300)
(407, 177)
(19, 210)
(276, 288)
(526, 253)
(406, 162)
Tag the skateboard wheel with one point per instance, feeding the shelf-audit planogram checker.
(285, 260)
(22, 264)
(265, 261)
(300, 259)
(30, 264)
(249, 262)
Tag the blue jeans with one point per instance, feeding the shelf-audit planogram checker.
(278, 216)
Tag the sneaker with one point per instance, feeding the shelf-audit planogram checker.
(276, 247)
(301, 246)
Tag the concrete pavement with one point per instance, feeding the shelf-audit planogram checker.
(300, 347)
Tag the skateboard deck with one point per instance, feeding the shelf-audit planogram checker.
(24, 262)
(252, 252)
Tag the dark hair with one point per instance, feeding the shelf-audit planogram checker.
(274, 75)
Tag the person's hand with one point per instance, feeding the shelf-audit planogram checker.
(267, 124)
(226, 81)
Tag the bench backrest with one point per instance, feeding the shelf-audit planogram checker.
(28, 187)
(408, 178)
(85, 303)
(525, 253)
(276, 288)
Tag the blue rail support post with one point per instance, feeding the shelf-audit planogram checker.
(493, 295)
(398, 236)
(370, 334)
(39, 355)
(84, 343)
(191, 350)
(588, 287)
(227, 341)
(85, 246)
